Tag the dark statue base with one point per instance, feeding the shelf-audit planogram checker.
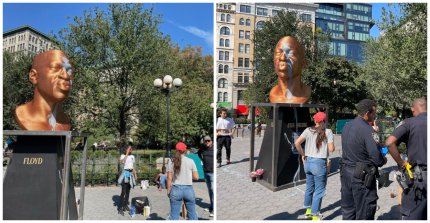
(278, 156)
(32, 186)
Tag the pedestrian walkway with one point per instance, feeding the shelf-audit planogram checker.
(237, 198)
(101, 202)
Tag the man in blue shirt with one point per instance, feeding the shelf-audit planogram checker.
(413, 132)
(360, 159)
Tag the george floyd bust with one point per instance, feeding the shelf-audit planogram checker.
(289, 61)
(51, 75)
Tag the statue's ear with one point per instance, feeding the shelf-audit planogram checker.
(32, 76)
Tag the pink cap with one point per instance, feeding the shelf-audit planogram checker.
(319, 116)
(181, 147)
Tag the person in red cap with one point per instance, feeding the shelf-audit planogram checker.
(319, 143)
(181, 171)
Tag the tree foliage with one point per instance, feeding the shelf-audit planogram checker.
(17, 89)
(395, 66)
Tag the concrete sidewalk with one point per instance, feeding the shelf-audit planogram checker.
(101, 202)
(237, 198)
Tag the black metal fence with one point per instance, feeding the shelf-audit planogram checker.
(104, 168)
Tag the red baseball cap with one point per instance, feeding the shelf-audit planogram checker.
(319, 116)
(181, 147)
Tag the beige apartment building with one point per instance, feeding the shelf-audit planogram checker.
(26, 39)
(237, 23)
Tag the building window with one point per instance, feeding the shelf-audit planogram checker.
(241, 34)
(243, 78)
(241, 21)
(220, 69)
(225, 96)
(246, 62)
(260, 24)
(222, 17)
(220, 6)
(247, 48)
(247, 35)
(225, 31)
(221, 55)
(229, 7)
(275, 12)
(248, 22)
(225, 69)
(226, 55)
(240, 62)
(227, 43)
(245, 8)
(219, 96)
(222, 83)
(221, 42)
(225, 6)
(241, 49)
(228, 17)
(262, 11)
(306, 17)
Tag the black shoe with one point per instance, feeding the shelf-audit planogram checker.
(126, 208)
(120, 211)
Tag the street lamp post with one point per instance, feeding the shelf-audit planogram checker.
(335, 98)
(167, 86)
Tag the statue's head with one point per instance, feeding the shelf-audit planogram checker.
(289, 58)
(51, 74)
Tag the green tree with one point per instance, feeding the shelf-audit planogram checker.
(335, 83)
(17, 89)
(265, 40)
(117, 54)
(395, 65)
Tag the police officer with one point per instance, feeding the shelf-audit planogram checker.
(360, 159)
(413, 132)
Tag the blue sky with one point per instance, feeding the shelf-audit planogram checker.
(185, 23)
(376, 15)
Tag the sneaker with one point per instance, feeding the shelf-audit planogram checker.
(211, 214)
(308, 212)
(206, 209)
(219, 165)
(317, 217)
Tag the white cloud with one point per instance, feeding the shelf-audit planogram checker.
(207, 36)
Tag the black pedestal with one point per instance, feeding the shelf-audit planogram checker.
(32, 186)
(278, 156)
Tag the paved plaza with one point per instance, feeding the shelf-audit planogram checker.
(238, 198)
(101, 202)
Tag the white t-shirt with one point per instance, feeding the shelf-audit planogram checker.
(310, 146)
(185, 176)
(129, 162)
(225, 124)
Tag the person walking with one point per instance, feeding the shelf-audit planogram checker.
(224, 131)
(358, 167)
(181, 171)
(319, 142)
(413, 131)
(206, 154)
(127, 178)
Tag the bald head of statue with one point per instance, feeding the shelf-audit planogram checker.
(51, 74)
(289, 61)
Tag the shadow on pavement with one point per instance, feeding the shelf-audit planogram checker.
(115, 199)
(393, 214)
(286, 216)
(334, 214)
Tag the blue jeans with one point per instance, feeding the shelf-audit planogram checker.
(316, 180)
(209, 177)
(181, 193)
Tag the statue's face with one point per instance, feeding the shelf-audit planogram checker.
(53, 73)
(288, 57)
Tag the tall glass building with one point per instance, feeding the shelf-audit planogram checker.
(349, 25)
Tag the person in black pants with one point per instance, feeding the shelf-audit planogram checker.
(224, 130)
(413, 132)
(360, 159)
(127, 178)
(206, 154)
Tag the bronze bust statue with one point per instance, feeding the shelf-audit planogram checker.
(51, 75)
(289, 60)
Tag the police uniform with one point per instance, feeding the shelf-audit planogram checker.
(413, 132)
(360, 159)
